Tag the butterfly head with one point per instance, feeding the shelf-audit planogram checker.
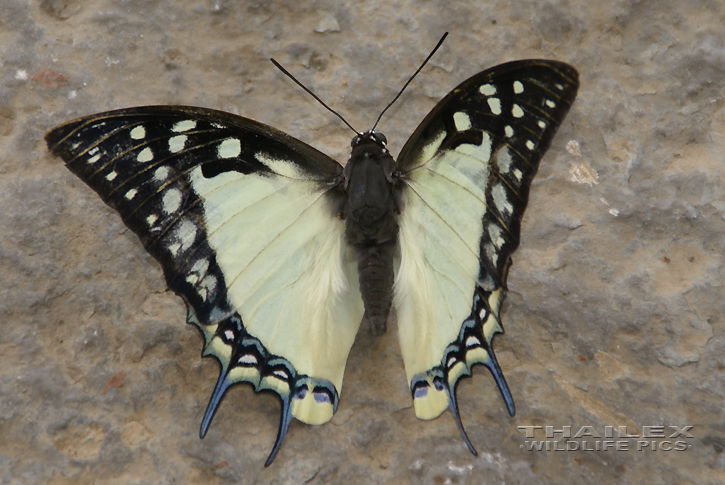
(369, 137)
(369, 152)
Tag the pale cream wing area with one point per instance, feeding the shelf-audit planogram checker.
(287, 269)
(440, 234)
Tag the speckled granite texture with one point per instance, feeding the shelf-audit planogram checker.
(615, 311)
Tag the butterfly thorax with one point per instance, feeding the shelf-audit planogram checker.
(371, 223)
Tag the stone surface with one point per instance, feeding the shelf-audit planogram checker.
(615, 311)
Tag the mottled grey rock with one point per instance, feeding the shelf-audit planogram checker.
(615, 311)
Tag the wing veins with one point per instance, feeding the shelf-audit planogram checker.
(153, 165)
(282, 231)
(271, 295)
(185, 211)
(84, 125)
(277, 325)
(454, 281)
(501, 223)
(208, 233)
(461, 268)
(445, 223)
(438, 174)
(91, 147)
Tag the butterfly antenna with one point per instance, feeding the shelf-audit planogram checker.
(279, 66)
(411, 79)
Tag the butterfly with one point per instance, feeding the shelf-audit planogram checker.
(279, 251)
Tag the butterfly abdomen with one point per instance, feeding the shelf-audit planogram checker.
(371, 224)
(375, 266)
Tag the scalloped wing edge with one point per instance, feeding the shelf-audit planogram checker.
(435, 390)
(244, 360)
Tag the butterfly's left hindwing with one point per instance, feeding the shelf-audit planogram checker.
(465, 176)
(244, 220)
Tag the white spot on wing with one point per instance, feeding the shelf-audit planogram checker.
(472, 341)
(186, 234)
(171, 200)
(182, 126)
(482, 313)
(111, 176)
(197, 271)
(492, 254)
(542, 124)
(94, 158)
(550, 103)
(200, 266)
(248, 359)
(500, 199)
(509, 131)
(176, 143)
(229, 335)
(209, 283)
(92, 151)
(488, 89)
(462, 121)
(174, 248)
(229, 148)
(517, 111)
(146, 155)
(530, 144)
(138, 133)
(494, 233)
(495, 105)
(151, 220)
(517, 173)
(503, 159)
(131, 194)
(161, 174)
(518, 87)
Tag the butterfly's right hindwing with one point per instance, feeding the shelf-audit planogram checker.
(243, 219)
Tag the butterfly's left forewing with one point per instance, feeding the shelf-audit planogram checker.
(244, 220)
(466, 174)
